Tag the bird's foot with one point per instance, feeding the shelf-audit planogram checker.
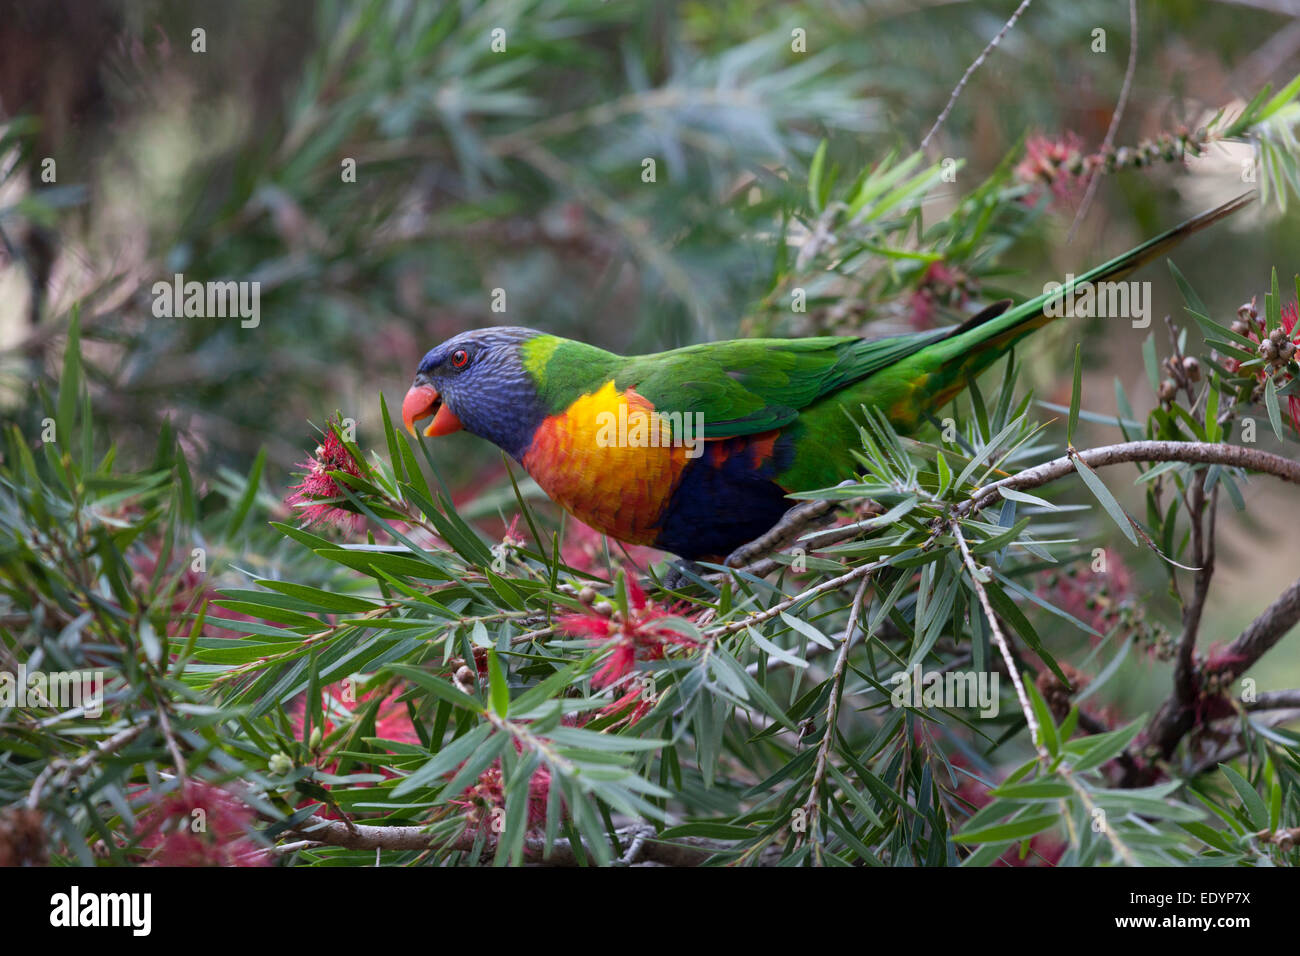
(682, 573)
(786, 532)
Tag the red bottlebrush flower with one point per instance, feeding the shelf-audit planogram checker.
(1058, 164)
(1290, 319)
(392, 721)
(1094, 597)
(512, 538)
(629, 708)
(312, 496)
(488, 794)
(940, 285)
(637, 638)
(201, 825)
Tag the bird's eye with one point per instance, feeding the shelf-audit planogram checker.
(459, 358)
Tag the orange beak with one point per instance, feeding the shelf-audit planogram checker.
(421, 402)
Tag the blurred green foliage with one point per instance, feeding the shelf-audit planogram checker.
(519, 170)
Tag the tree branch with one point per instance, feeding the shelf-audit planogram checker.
(1205, 453)
(1275, 700)
(1176, 716)
(360, 836)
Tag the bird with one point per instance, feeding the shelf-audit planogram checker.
(694, 451)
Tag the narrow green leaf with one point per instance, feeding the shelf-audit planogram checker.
(1013, 495)
(1150, 363)
(1104, 747)
(1189, 294)
(1256, 811)
(1036, 790)
(779, 653)
(1076, 394)
(1274, 410)
(815, 177)
(250, 493)
(1048, 735)
(497, 683)
(945, 474)
(808, 631)
(1014, 830)
(435, 685)
(1105, 499)
(70, 383)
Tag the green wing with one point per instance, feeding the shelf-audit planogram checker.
(748, 386)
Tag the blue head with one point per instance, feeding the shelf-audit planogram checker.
(477, 381)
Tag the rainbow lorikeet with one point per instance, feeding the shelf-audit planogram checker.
(694, 450)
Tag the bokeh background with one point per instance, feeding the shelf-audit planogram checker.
(521, 170)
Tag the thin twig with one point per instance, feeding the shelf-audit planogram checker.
(758, 617)
(1109, 140)
(1203, 559)
(812, 809)
(74, 768)
(970, 70)
(1035, 731)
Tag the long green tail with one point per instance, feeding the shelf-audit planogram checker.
(930, 378)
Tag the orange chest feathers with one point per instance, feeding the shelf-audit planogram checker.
(611, 462)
